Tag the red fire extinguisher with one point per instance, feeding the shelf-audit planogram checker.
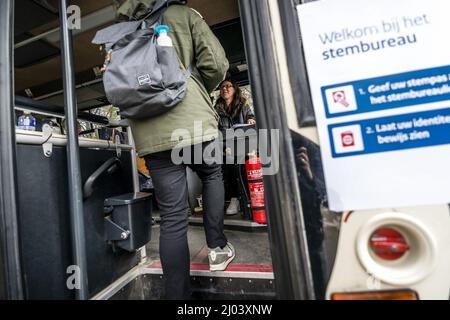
(256, 186)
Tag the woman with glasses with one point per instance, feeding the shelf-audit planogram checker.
(232, 106)
(233, 109)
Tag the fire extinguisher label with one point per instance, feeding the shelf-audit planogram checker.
(254, 174)
(254, 169)
(257, 194)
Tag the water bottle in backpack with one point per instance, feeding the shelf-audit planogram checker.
(163, 37)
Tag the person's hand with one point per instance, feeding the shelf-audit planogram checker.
(302, 157)
(251, 121)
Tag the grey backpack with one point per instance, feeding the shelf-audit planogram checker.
(141, 78)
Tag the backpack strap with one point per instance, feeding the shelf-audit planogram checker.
(189, 70)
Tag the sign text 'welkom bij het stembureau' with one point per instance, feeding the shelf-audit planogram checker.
(379, 76)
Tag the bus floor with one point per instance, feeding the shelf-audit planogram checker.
(249, 276)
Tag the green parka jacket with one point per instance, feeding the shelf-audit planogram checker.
(194, 120)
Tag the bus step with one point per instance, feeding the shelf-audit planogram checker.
(238, 282)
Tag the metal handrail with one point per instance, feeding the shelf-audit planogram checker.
(73, 155)
(37, 138)
(11, 278)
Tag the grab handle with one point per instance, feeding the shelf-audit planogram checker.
(110, 166)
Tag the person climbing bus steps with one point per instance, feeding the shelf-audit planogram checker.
(194, 41)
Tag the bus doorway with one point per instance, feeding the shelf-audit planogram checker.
(250, 275)
(69, 110)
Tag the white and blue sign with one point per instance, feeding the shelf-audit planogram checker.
(387, 92)
(407, 131)
(379, 73)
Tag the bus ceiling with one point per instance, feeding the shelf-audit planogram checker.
(37, 49)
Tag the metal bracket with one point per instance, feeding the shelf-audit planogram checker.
(114, 232)
(118, 149)
(47, 146)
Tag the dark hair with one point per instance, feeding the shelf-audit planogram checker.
(238, 101)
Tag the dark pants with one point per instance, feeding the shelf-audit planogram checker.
(171, 194)
(230, 181)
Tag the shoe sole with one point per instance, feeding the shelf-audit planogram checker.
(223, 266)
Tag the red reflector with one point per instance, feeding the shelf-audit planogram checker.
(388, 244)
(380, 295)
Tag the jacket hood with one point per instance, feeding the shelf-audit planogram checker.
(137, 7)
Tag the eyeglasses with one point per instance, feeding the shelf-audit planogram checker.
(227, 86)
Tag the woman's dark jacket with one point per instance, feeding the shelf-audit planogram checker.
(242, 114)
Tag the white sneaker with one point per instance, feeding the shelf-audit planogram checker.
(219, 259)
(233, 207)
